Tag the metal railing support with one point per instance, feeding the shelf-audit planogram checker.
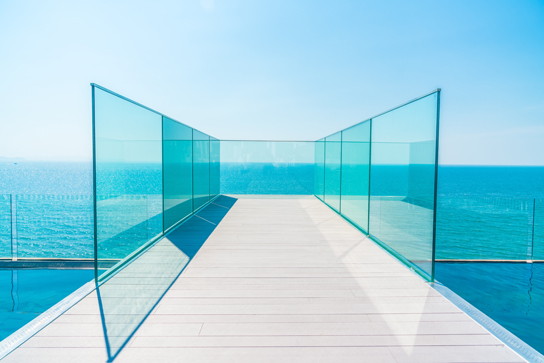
(13, 217)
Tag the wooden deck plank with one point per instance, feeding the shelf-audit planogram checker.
(278, 280)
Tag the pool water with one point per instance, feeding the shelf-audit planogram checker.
(512, 294)
(26, 293)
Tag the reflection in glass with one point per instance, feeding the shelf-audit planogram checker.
(380, 175)
(177, 171)
(319, 169)
(201, 169)
(128, 173)
(356, 174)
(333, 170)
(128, 298)
(403, 180)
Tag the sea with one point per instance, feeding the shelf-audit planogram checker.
(484, 213)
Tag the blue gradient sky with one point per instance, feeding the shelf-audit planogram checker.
(295, 70)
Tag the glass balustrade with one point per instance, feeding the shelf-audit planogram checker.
(267, 167)
(177, 171)
(381, 176)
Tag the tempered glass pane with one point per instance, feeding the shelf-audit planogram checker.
(267, 167)
(215, 167)
(5, 226)
(319, 169)
(473, 228)
(201, 169)
(402, 180)
(333, 156)
(48, 224)
(125, 305)
(178, 171)
(538, 234)
(128, 147)
(356, 173)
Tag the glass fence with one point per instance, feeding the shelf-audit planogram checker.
(151, 172)
(467, 228)
(46, 227)
(267, 167)
(381, 176)
(488, 229)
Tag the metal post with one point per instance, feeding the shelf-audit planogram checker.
(14, 243)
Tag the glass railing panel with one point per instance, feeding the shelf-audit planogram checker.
(403, 180)
(319, 169)
(201, 169)
(5, 226)
(356, 174)
(538, 231)
(128, 172)
(267, 167)
(55, 226)
(470, 228)
(215, 167)
(177, 171)
(333, 157)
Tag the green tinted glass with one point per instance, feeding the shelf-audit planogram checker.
(177, 171)
(201, 169)
(267, 167)
(333, 170)
(319, 169)
(403, 180)
(215, 167)
(356, 174)
(128, 172)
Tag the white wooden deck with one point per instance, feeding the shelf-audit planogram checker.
(283, 280)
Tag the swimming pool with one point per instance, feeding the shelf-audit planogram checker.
(512, 294)
(26, 293)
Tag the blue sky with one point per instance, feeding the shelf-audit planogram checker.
(294, 70)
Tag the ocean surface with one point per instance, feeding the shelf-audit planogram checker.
(483, 213)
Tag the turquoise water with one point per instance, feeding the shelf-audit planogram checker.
(26, 293)
(483, 213)
(512, 294)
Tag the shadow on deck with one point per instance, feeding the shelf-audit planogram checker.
(128, 298)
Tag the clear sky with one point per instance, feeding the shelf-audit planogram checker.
(278, 69)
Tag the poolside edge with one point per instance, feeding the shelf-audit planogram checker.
(510, 340)
(20, 336)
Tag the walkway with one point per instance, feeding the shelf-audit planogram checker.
(283, 280)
